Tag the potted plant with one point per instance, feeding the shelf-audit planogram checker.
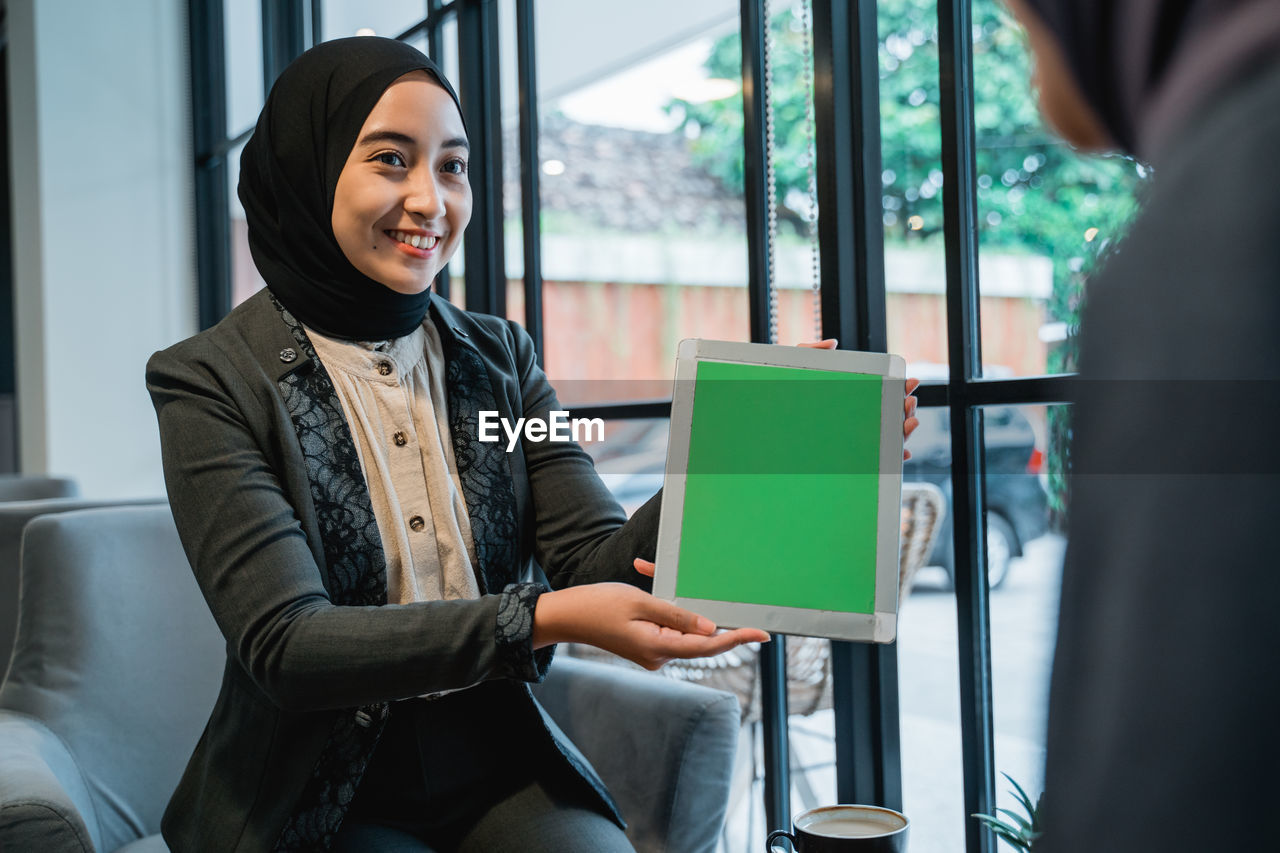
(1021, 832)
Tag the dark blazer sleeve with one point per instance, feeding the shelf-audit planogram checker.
(230, 487)
(581, 534)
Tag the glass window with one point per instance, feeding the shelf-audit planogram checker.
(242, 41)
(929, 664)
(342, 18)
(643, 221)
(796, 299)
(911, 181)
(512, 192)
(449, 62)
(1024, 559)
(245, 279)
(631, 459)
(1045, 213)
(1025, 549)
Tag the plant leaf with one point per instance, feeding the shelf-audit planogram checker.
(1013, 838)
(994, 823)
(1023, 798)
(1003, 830)
(1023, 824)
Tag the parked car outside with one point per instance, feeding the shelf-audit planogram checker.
(1016, 503)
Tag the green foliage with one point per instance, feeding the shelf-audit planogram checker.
(717, 126)
(1019, 831)
(1035, 194)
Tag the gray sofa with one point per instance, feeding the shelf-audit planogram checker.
(117, 663)
(33, 487)
(14, 517)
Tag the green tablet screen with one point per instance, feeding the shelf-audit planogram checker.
(782, 488)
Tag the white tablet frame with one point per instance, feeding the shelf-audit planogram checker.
(877, 627)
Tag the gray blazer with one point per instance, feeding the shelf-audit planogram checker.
(276, 520)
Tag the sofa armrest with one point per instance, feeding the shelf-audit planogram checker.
(44, 802)
(664, 748)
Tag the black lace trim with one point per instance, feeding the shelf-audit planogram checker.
(355, 574)
(515, 634)
(328, 793)
(483, 469)
(491, 507)
(355, 568)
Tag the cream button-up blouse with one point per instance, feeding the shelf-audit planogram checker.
(393, 396)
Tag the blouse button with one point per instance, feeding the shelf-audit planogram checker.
(400, 439)
(288, 354)
(384, 368)
(417, 523)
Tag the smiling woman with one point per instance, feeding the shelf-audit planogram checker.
(369, 559)
(403, 198)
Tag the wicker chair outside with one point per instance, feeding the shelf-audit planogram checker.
(808, 658)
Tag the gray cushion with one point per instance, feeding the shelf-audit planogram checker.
(14, 516)
(664, 748)
(117, 655)
(42, 795)
(24, 487)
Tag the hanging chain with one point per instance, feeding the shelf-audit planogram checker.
(810, 158)
(771, 180)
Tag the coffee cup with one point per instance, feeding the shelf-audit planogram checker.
(845, 829)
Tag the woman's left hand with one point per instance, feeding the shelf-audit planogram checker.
(908, 405)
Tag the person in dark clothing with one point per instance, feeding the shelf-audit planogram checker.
(1166, 681)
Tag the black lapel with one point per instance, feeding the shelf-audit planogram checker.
(355, 574)
(355, 568)
(483, 468)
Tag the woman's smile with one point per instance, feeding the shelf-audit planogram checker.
(416, 244)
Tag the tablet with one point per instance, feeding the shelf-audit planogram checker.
(782, 495)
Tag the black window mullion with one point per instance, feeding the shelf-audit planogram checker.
(847, 124)
(284, 37)
(435, 48)
(967, 459)
(773, 660)
(755, 179)
(486, 275)
(851, 239)
(437, 11)
(435, 43)
(530, 201)
(624, 411)
(208, 133)
(317, 20)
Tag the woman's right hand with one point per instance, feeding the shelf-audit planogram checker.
(629, 622)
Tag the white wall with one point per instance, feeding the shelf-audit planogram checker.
(102, 230)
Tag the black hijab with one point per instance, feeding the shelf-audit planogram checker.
(1145, 65)
(288, 173)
